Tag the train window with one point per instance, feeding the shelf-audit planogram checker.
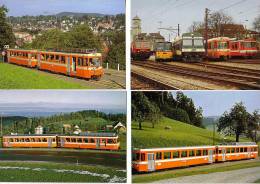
(109, 141)
(43, 57)
(191, 153)
(92, 140)
(16, 140)
(237, 150)
(198, 152)
(44, 140)
(245, 149)
(67, 139)
(176, 154)
(142, 156)
(52, 57)
(103, 141)
(79, 140)
(32, 140)
(241, 150)
(80, 61)
(205, 152)
(85, 62)
(184, 154)
(228, 150)
(47, 57)
(136, 157)
(219, 151)
(27, 140)
(53, 139)
(86, 140)
(57, 57)
(22, 139)
(11, 140)
(158, 156)
(232, 150)
(167, 155)
(73, 139)
(63, 59)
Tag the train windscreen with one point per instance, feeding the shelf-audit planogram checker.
(198, 42)
(95, 62)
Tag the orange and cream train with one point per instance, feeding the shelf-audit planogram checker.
(83, 65)
(101, 141)
(148, 160)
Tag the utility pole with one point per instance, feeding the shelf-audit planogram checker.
(178, 29)
(214, 133)
(206, 32)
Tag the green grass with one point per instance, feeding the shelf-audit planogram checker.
(17, 77)
(144, 178)
(52, 172)
(180, 134)
(257, 181)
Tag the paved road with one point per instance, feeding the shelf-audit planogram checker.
(236, 176)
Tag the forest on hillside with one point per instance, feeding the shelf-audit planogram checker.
(87, 120)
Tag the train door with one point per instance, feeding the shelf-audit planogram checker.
(49, 142)
(151, 162)
(97, 143)
(74, 64)
(223, 154)
(210, 156)
(29, 59)
(38, 60)
(62, 142)
(68, 65)
(248, 152)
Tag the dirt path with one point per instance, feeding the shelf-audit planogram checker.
(237, 176)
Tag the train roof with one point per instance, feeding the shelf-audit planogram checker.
(194, 34)
(92, 134)
(56, 51)
(219, 39)
(173, 148)
(30, 135)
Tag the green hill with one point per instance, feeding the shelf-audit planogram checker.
(176, 134)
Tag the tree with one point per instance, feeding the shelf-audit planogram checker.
(6, 33)
(253, 123)
(256, 24)
(235, 121)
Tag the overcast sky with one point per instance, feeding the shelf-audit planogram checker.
(184, 12)
(217, 102)
(41, 7)
(58, 101)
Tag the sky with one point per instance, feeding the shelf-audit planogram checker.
(215, 103)
(44, 7)
(38, 102)
(184, 12)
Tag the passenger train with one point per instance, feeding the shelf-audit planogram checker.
(85, 65)
(153, 159)
(163, 51)
(100, 141)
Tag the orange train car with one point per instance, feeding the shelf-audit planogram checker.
(246, 48)
(104, 141)
(100, 141)
(219, 48)
(30, 141)
(84, 65)
(148, 160)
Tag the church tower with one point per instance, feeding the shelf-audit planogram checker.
(136, 27)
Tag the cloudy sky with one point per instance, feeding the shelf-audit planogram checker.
(184, 12)
(38, 102)
(38, 7)
(217, 102)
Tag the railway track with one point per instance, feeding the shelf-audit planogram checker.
(243, 81)
(231, 69)
(158, 83)
(253, 61)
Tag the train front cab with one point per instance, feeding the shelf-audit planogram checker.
(219, 48)
(148, 160)
(236, 152)
(163, 51)
(22, 57)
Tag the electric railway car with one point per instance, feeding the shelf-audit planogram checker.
(163, 51)
(219, 48)
(148, 160)
(246, 48)
(101, 141)
(84, 65)
(189, 47)
(141, 50)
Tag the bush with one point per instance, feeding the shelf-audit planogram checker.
(177, 114)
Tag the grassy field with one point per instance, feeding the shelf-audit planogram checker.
(179, 134)
(144, 178)
(54, 172)
(17, 77)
